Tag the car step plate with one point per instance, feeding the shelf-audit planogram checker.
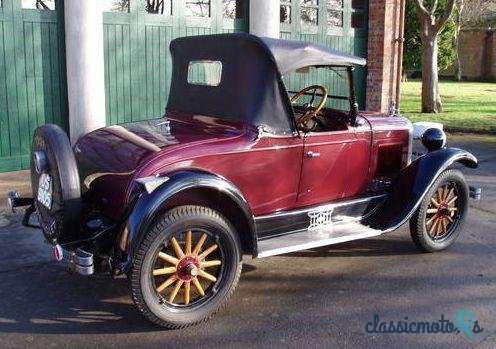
(311, 238)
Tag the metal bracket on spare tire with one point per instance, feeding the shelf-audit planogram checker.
(55, 184)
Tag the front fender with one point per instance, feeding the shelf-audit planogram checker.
(412, 184)
(149, 205)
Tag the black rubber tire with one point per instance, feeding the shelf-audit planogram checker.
(62, 222)
(418, 230)
(176, 220)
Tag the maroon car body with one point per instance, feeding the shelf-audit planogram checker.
(237, 162)
(275, 174)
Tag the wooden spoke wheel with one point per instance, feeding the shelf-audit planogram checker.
(186, 267)
(442, 212)
(439, 219)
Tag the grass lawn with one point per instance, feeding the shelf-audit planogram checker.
(468, 106)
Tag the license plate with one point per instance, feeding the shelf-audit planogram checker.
(45, 191)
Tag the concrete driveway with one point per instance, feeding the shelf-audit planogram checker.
(318, 298)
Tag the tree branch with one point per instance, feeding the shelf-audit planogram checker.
(434, 7)
(421, 8)
(445, 16)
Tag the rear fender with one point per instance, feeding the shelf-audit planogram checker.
(412, 184)
(150, 205)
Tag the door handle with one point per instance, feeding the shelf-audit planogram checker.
(311, 154)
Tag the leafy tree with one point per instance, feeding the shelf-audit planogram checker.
(412, 58)
(432, 18)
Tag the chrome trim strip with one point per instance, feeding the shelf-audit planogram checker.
(321, 207)
(410, 143)
(318, 243)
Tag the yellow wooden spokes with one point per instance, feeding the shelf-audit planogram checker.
(187, 247)
(199, 244)
(439, 221)
(445, 225)
(206, 275)
(187, 286)
(166, 283)
(450, 193)
(177, 249)
(435, 203)
(198, 286)
(164, 271)
(433, 228)
(213, 263)
(168, 258)
(439, 226)
(440, 194)
(176, 279)
(176, 289)
(207, 252)
(452, 201)
(431, 219)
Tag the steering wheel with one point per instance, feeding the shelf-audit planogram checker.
(311, 111)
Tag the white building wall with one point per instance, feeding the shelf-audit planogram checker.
(85, 66)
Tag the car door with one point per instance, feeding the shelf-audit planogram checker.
(335, 166)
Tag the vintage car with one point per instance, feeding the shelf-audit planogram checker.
(238, 164)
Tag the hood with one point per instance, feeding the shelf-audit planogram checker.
(110, 157)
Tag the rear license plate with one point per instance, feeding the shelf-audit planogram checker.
(45, 190)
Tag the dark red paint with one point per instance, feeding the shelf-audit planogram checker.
(273, 173)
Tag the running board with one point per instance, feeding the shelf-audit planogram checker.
(306, 239)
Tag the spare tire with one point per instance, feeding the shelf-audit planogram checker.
(55, 184)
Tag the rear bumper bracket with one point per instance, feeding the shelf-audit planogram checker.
(79, 261)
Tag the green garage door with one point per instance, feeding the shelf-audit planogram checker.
(32, 75)
(137, 35)
(338, 24)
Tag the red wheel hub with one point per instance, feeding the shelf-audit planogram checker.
(443, 210)
(188, 268)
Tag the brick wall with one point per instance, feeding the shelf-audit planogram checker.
(477, 55)
(493, 63)
(471, 53)
(383, 34)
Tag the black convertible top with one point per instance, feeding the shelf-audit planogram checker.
(251, 88)
(291, 55)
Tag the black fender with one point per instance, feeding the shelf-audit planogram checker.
(411, 186)
(149, 205)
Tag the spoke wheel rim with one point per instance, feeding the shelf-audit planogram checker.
(188, 268)
(443, 213)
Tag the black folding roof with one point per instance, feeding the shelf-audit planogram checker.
(291, 55)
(251, 88)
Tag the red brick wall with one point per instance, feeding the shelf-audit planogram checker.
(472, 53)
(384, 28)
(493, 57)
(477, 55)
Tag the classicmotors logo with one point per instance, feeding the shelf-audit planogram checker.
(464, 323)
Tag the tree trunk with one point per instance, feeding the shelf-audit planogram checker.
(458, 63)
(431, 101)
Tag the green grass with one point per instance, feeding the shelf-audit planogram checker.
(467, 106)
